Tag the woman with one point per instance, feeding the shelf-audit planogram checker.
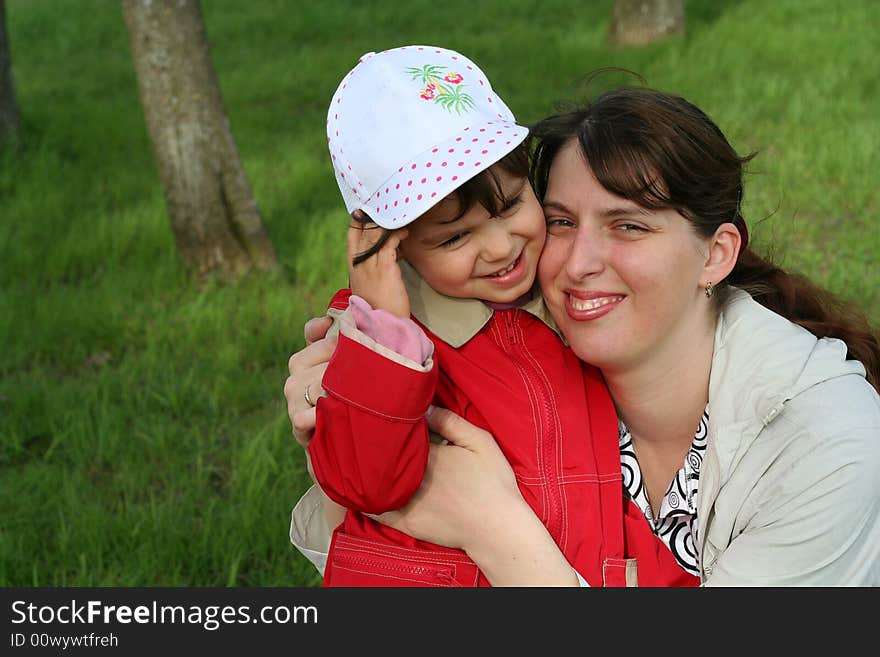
(749, 425)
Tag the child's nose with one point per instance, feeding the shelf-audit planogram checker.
(498, 245)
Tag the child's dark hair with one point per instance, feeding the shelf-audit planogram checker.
(661, 151)
(485, 188)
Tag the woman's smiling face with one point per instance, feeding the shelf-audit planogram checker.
(624, 284)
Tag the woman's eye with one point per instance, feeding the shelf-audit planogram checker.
(558, 224)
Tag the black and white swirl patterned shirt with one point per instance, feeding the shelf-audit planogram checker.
(676, 522)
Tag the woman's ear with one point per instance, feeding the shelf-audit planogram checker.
(722, 255)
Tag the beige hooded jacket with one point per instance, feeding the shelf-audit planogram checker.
(789, 492)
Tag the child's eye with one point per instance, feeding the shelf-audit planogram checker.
(509, 205)
(452, 240)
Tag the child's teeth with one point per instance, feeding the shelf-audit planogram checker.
(509, 268)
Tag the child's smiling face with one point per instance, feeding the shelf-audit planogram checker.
(480, 256)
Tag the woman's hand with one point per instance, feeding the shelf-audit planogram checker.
(306, 368)
(465, 481)
(469, 500)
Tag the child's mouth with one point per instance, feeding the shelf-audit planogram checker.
(507, 269)
(511, 274)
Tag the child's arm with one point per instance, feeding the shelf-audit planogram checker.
(370, 447)
(371, 443)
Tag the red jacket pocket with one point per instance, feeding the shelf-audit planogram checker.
(366, 562)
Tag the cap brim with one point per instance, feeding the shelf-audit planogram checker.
(427, 179)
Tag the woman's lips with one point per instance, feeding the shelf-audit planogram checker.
(583, 306)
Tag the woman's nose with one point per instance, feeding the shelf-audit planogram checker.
(585, 257)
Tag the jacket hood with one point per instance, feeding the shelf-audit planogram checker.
(761, 361)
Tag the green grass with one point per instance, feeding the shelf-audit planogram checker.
(143, 432)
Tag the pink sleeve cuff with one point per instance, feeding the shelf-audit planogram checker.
(402, 336)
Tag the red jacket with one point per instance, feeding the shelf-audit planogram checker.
(552, 417)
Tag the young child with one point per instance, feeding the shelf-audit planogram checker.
(423, 148)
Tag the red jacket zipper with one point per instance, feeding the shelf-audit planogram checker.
(547, 431)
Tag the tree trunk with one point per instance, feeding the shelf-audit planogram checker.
(215, 219)
(637, 22)
(8, 105)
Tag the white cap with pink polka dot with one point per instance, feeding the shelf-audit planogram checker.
(408, 126)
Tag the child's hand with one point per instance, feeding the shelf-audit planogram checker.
(377, 279)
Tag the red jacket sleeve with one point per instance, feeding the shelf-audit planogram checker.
(370, 446)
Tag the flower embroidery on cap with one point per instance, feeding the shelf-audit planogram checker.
(445, 89)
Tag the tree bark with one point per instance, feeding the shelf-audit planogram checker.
(216, 223)
(637, 22)
(8, 106)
